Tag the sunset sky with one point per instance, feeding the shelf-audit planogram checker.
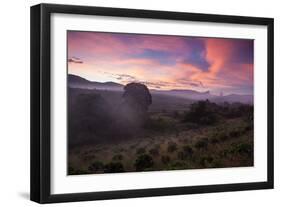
(163, 62)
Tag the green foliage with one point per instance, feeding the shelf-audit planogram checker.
(113, 167)
(143, 162)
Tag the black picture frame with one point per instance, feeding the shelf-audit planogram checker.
(41, 95)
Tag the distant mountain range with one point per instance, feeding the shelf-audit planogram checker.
(75, 81)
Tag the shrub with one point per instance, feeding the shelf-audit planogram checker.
(117, 157)
(165, 159)
(113, 167)
(177, 166)
(202, 144)
(217, 164)
(242, 148)
(172, 146)
(186, 153)
(176, 114)
(188, 150)
(248, 127)
(80, 172)
(214, 140)
(96, 166)
(143, 162)
(141, 150)
(219, 135)
(204, 161)
(154, 151)
(235, 133)
(223, 136)
(71, 170)
(202, 112)
(133, 146)
(160, 124)
(89, 157)
(237, 110)
(224, 153)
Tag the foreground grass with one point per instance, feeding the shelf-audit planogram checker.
(228, 143)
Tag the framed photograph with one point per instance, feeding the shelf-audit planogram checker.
(133, 103)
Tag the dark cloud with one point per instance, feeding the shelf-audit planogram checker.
(122, 77)
(180, 83)
(190, 83)
(197, 56)
(243, 51)
(75, 60)
(163, 57)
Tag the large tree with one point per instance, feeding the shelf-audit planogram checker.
(137, 98)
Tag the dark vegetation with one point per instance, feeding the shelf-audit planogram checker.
(113, 132)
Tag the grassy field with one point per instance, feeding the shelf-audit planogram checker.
(173, 140)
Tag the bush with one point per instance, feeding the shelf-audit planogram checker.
(117, 157)
(206, 160)
(177, 166)
(235, 133)
(113, 167)
(176, 114)
(141, 150)
(214, 140)
(217, 164)
(202, 144)
(165, 159)
(154, 151)
(78, 172)
(89, 157)
(238, 110)
(96, 166)
(71, 170)
(186, 153)
(242, 148)
(160, 124)
(172, 146)
(223, 136)
(143, 162)
(203, 113)
(219, 135)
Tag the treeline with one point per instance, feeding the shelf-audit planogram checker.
(208, 113)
